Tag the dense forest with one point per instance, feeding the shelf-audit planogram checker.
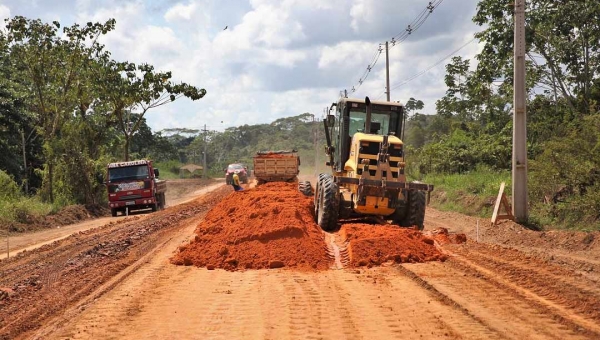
(67, 109)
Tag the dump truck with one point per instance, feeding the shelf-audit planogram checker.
(279, 166)
(367, 163)
(134, 185)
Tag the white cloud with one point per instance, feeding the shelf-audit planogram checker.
(181, 12)
(4, 12)
(347, 54)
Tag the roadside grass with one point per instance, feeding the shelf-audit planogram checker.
(169, 169)
(20, 210)
(473, 193)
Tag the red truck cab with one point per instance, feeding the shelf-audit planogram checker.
(134, 185)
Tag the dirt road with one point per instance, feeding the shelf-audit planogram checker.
(179, 191)
(513, 284)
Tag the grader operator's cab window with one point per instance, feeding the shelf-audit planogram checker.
(358, 119)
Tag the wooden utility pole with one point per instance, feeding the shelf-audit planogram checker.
(519, 155)
(387, 71)
(26, 175)
(204, 153)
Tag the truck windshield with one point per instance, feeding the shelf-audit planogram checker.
(357, 122)
(129, 172)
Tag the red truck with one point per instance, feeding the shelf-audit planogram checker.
(134, 185)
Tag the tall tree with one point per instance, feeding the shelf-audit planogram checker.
(562, 45)
(50, 64)
(132, 90)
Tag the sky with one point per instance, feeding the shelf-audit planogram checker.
(260, 60)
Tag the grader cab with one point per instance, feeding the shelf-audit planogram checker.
(366, 157)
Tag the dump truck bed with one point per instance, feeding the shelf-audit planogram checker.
(276, 166)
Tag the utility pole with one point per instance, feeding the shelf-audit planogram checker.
(387, 71)
(204, 154)
(519, 155)
(26, 177)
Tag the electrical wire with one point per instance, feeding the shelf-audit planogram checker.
(400, 37)
(417, 75)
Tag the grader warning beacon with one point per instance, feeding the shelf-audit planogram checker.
(366, 157)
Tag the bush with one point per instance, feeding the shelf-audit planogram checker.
(168, 169)
(9, 190)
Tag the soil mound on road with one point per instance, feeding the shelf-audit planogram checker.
(371, 245)
(270, 226)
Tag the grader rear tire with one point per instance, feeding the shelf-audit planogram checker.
(328, 204)
(305, 188)
(415, 213)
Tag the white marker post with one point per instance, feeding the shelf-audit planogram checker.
(7, 241)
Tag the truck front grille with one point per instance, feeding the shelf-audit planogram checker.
(130, 197)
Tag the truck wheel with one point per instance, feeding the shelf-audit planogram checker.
(161, 201)
(328, 205)
(154, 207)
(415, 212)
(113, 212)
(305, 188)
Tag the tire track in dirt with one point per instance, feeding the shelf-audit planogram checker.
(574, 307)
(569, 281)
(417, 312)
(494, 306)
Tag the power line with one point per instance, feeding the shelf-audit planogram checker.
(416, 75)
(400, 37)
(416, 23)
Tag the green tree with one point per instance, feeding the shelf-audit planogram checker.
(412, 105)
(50, 65)
(562, 43)
(131, 90)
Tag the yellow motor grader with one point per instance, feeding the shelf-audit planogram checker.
(366, 157)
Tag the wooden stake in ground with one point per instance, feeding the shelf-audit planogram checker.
(502, 200)
(7, 241)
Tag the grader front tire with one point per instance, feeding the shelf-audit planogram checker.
(328, 204)
(415, 214)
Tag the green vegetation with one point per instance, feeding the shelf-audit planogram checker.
(168, 169)
(472, 193)
(14, 206)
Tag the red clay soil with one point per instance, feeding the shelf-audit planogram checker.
(371, 245)
(442, 236)
(275, 155)
(269, 226)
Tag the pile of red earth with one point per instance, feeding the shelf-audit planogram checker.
(270, 226)
(442, 236)
(371, 245)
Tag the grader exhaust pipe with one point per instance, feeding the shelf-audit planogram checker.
(368, 120)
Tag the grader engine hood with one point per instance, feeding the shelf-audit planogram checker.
(376, 157)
